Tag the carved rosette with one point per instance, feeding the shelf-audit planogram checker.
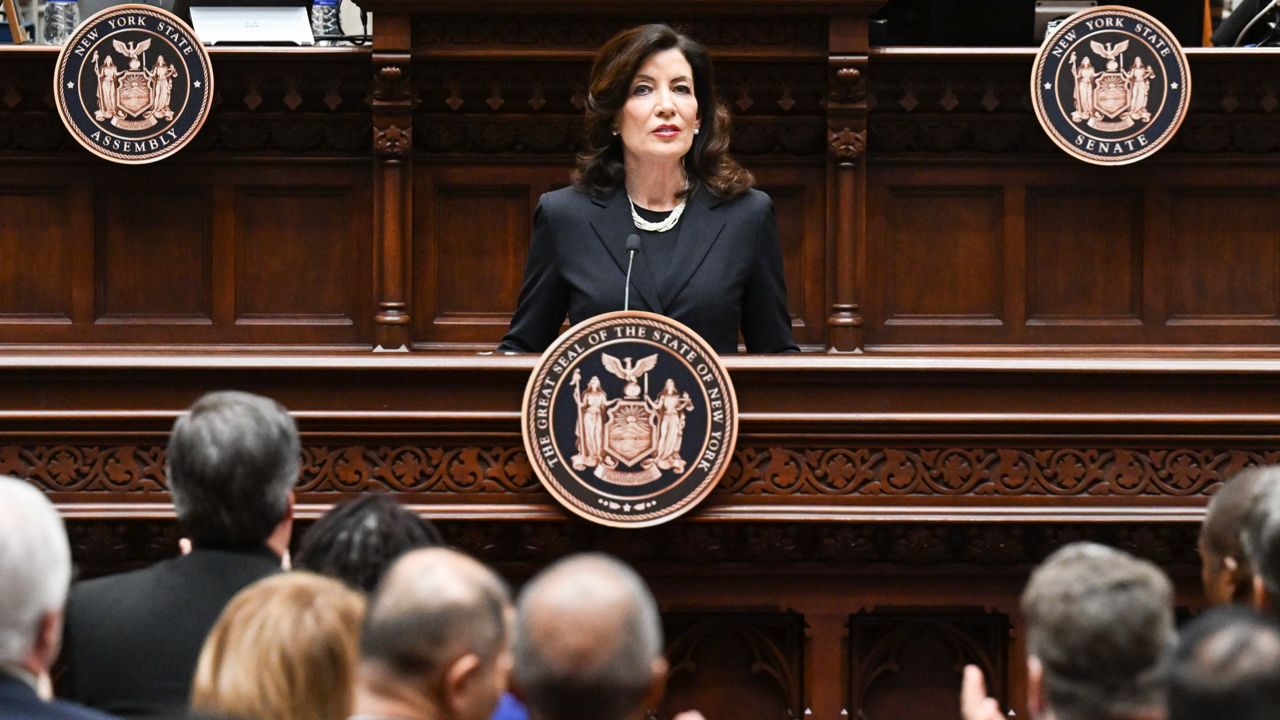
(392, 143)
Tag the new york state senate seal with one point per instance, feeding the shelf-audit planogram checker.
(133, 84)
(629, 419)
(1111, 86)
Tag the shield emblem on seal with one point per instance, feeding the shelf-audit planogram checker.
(1111, 94)
(630, 431)
(133, 95)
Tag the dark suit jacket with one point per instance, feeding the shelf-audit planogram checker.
(726, 273)
(18, 701)
(132, 640)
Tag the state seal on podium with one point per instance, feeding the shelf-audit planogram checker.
(629, 419)
(1111, 86)
(133, 84)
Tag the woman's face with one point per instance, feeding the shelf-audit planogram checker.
(661, 112)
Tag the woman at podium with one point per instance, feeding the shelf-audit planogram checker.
(656, 168)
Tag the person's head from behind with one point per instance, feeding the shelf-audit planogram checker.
(284, 647)
(35, 575)
(642, 79)
(1225, 568)
(1262, 544)
(588, 642)
(436, 640)
(232, 463)
(357, 541)
(1226, 667)
(1099, 629)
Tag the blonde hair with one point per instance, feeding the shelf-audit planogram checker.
(285, 647)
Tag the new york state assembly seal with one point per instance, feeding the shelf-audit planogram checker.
(1111, 86)
(629, 419)
(133, 84)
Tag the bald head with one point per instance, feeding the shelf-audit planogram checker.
(434, 606)
(589, 640)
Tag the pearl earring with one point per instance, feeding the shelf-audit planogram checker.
(695, 131)
(615, 132)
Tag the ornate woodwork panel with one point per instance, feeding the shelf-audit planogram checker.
(939, 260)
(734, 666)
(470, 238)
(295, 255)
(174, 253)
(1070, 479)
(32, 237)
(1080, 271)
(154, 254)
(907, 666)
(1224, 263)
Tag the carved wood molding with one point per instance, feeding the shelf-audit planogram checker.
(980, 473)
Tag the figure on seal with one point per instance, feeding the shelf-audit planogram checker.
(670, 407)
(106, 73)
(1140, 77)
(1083, 95)
(162, 76)
(590, 430)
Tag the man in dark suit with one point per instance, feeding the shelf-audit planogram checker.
(35, 570)
(132, 640)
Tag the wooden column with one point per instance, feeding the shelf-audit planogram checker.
(825, 662)
(846, 146)
(393, 177)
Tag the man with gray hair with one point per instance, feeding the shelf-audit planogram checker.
(35, 571)
(1099, 632)
(132, 640)
(436, 641)
(588, 642)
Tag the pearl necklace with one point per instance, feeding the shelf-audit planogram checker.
(660, 226)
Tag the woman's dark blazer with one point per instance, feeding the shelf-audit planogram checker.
(726, 273)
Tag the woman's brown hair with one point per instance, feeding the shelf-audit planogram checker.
(284, 647)
(600, 168)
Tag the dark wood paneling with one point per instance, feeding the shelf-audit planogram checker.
(470, 238)
(735, 666)
(798, 206)
(294, 254)
(37, 254)
(475, 230)
(907, 666)
(1224, 262)
(1084, 256)
(941, 261)
(154, 254)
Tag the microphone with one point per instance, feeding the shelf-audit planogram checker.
(633, 246)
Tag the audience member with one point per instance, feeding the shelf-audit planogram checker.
(1226, 667)
(588, 642)
(285, 647)
(1262, 543)
(35, 571)
(133, 639)
(435, 644)
(1099, 630)
(1225, 568)
(357, 541)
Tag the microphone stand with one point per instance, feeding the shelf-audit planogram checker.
(633, 246)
